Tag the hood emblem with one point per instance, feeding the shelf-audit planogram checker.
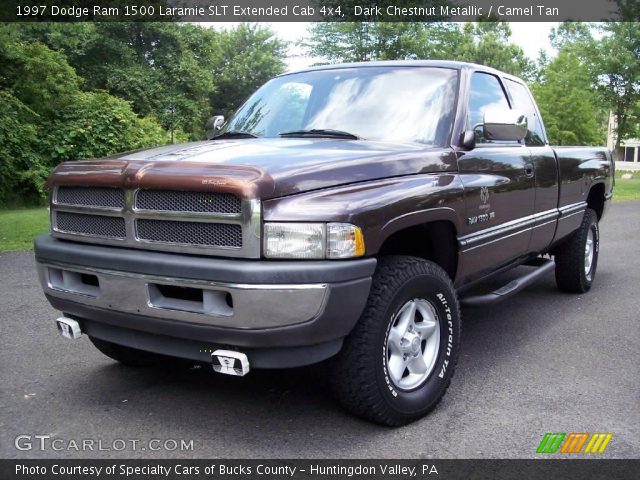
(213, 181)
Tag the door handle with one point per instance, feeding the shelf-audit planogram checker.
(528, 171)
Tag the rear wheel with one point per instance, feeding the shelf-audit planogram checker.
(577, 258)
(398, 361)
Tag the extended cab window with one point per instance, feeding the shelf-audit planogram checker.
(522, 101)
(486, 92)
(394, 104)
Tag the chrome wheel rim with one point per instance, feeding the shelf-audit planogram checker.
(589, 252)
(412, 344)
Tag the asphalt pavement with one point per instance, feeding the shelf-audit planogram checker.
(541, 361)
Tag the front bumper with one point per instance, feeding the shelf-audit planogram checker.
(279, 313)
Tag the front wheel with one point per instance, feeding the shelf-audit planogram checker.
(398, 361)
(577, 258)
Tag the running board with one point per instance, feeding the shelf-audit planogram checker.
(511, 288)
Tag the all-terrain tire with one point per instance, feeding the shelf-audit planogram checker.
(574, 271)
(361, 379)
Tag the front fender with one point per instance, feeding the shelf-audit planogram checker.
(381, 208)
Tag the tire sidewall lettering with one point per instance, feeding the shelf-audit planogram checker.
(449, 347)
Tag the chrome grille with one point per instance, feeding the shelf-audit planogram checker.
(91, 196)
(184, 201)
(204, 223)
(190, 233)
(97, 225)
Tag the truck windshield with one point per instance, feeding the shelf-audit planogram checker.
(395, 104)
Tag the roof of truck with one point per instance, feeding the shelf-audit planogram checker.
(410, 63)
(402, 63)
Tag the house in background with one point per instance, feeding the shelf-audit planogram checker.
(629, 148)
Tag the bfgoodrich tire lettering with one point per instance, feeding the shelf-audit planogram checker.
(361, 378)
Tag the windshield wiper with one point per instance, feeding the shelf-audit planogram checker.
(235, 134)
(320, 132)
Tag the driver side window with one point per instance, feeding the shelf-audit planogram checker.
(485, 92)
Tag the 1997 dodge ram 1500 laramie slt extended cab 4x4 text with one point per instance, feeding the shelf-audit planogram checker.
(340, 214)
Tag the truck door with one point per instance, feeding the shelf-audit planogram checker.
(545, 168)
(498, 180)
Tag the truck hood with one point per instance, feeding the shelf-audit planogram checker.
(256, 168)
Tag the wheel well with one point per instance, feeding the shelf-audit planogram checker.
(434, 241)
(595, 200)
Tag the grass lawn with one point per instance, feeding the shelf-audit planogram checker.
(18, 228)
(626, 189)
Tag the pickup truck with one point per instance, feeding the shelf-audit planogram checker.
(341, 215)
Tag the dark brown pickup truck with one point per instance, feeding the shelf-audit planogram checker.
(342, 214)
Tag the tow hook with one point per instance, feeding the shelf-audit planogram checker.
(68, 328)
(229, 362)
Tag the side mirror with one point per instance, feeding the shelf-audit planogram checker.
(504, 124)
(214, 125)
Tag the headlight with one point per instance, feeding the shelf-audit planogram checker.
(312, 240)
(294, 240)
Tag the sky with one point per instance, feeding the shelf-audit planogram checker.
(530, 36)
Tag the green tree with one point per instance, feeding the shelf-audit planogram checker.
(69, 38)
(629, 10)
(486, 43)
(177, 73)
(41, 78)
(616, 70)
(567, 103)
(154, 65)
(575, 36)
(97, 125)
(365, 41)
(35, 84)
(21, 168)
(82, 90)
(46, 118)
(243, 59)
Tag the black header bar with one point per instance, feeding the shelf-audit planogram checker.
(370, 469)
(318, 10)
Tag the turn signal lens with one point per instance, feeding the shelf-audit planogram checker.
(344, 241)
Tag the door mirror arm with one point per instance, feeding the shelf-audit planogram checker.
(469, 138)
(214, 125)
